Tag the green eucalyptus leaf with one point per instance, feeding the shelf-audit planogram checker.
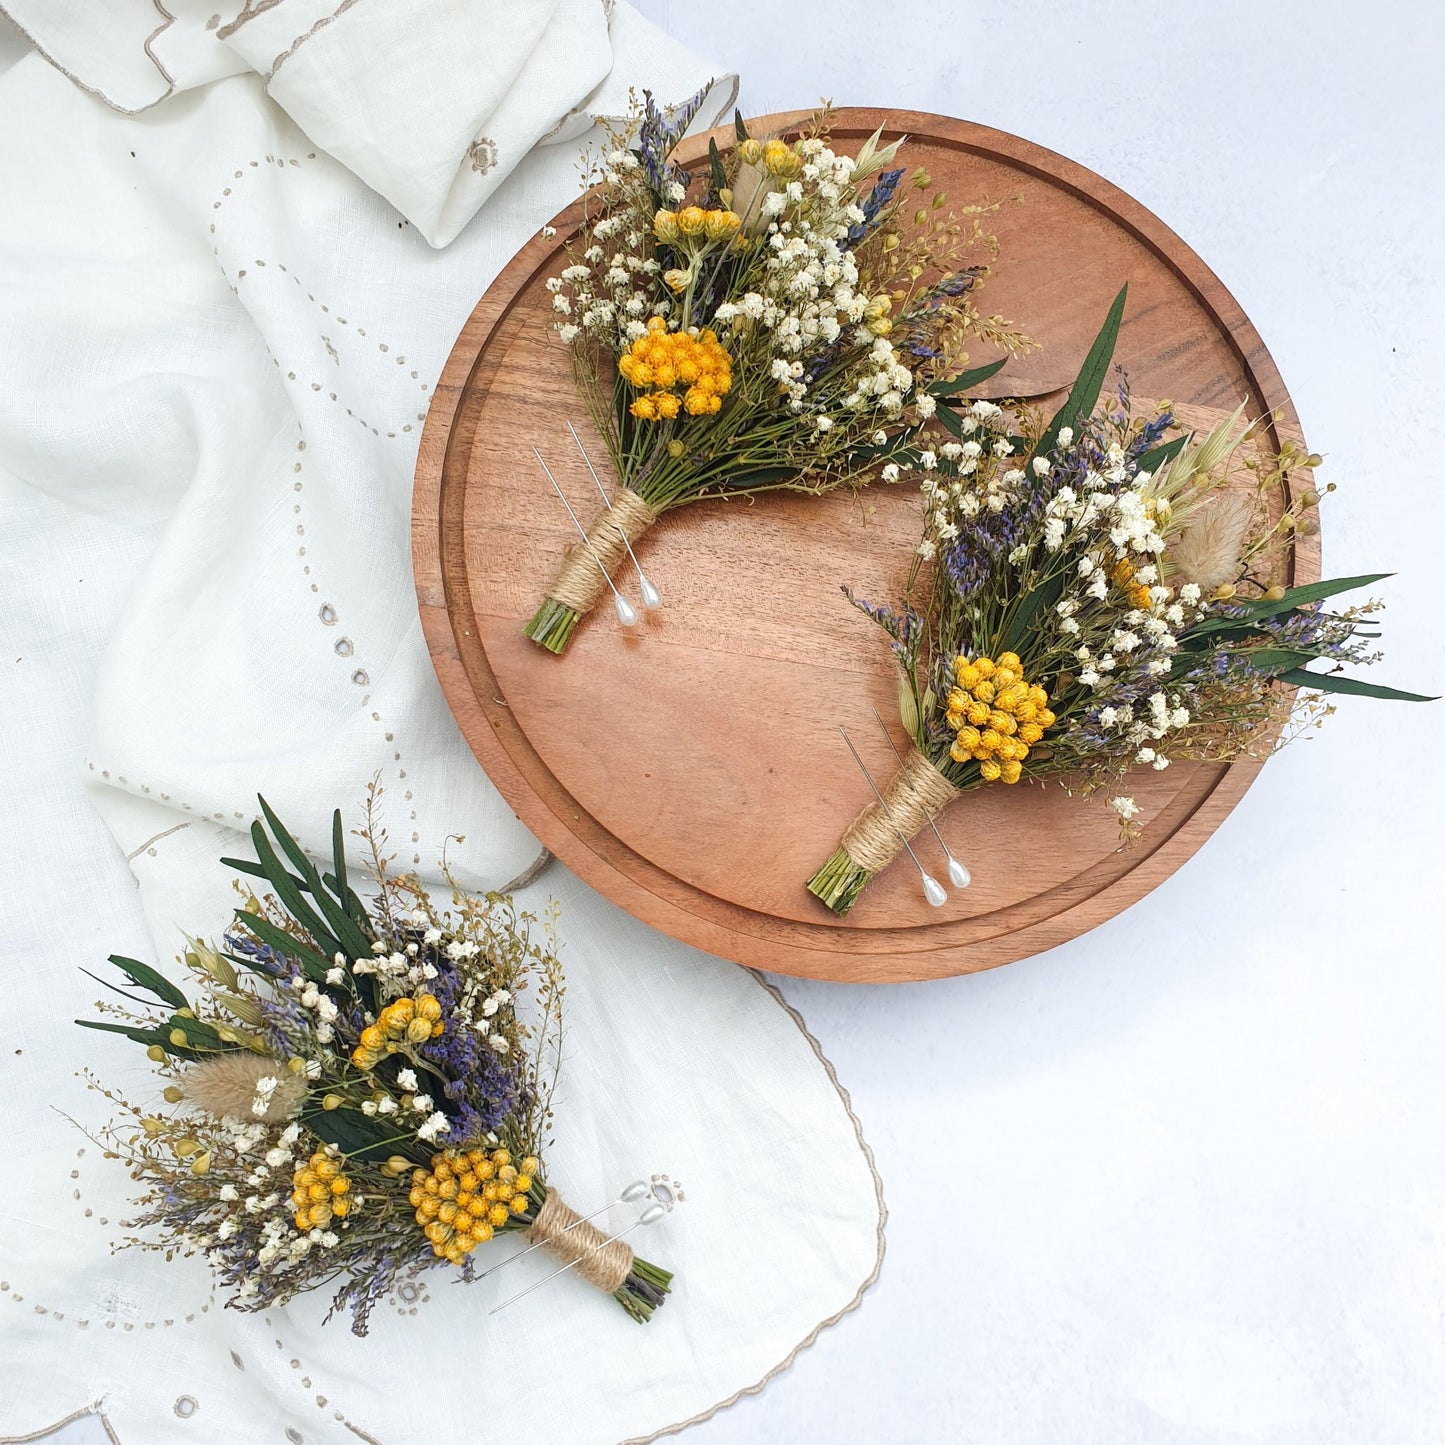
(359, 1137)
(149, 979)
(1337, 682)
(1085, 392)
(966, 379)
(340, 931)
(1152, 460)
(951, 420)
(289, 892)
(313, 964)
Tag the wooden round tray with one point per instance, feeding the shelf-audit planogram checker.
(691, 770)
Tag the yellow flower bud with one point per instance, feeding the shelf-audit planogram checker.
(721, 224)
(664, 226)
(332, 1101)
(156, 1054)
(178, 1038)
(750, 152)
(1225, 591)
(675, 448)
(184, 1148)
(780, 158)
(201, 1163)
(677, 279)
(418, 1031)
(691, 220)
(152, 1126)
(172, 1095)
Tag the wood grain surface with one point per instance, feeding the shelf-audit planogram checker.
(691, 770)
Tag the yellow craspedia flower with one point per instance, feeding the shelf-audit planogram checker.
(693, 363)
(456, 1209)
(691, 220)
(664, 226)
(995, 715)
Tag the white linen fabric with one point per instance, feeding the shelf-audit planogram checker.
(216, 350)
(432, 103)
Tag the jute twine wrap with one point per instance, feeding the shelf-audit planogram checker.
(605, 1265)
(916, 794)
(580, 582)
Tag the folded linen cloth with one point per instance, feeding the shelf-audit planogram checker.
(431, 102)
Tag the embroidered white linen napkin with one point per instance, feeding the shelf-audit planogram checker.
(432, 103)
(216, 350)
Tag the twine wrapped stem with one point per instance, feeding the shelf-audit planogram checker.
(571, 1240)
(580, 581)
(917, 793)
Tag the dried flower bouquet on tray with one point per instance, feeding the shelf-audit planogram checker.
(355, 1094)
(1089, 598)
(768, 320)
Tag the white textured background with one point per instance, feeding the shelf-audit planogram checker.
(1182, 1180)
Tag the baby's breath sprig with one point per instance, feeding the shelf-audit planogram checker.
(331, 1058)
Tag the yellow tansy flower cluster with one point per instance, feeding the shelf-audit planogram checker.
(467, 1195)
(667, 361)
(405, 1021)
(996, 715)
(320, 1192)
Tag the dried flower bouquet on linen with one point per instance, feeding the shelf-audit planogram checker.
(1088, 598)
(354, 1094)
(767, 320)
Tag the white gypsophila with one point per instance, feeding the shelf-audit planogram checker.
(422, 1103)
(1126, 808)
(406, 1078)
(265, 1087)
(437, 1124)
